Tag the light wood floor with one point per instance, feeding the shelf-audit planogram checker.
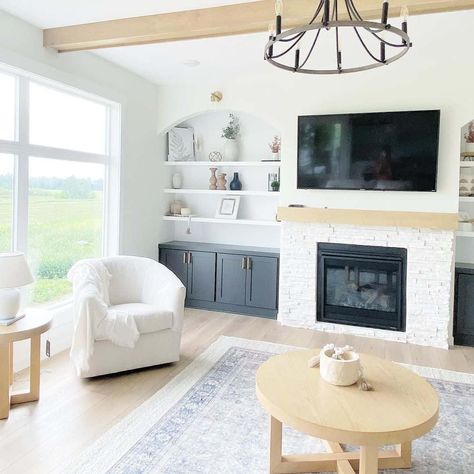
(72, 413)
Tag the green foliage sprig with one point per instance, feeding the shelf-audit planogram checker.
(232, 130)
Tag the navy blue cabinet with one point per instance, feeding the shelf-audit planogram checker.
(196, 270)
(231, 279)
(262, 282)
(464, 306)
(234, 279)
(201, 276)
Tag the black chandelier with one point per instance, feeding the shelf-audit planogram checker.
(285, 49)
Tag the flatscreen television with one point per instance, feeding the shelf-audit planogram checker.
(387, 151)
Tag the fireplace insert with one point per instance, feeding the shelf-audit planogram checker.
(362, 285)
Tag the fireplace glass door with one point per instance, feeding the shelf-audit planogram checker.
(361, 286)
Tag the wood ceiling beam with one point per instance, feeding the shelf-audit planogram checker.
(225, 20)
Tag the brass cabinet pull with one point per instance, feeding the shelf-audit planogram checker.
(185, 258)
(249, 263)
(244, 261)
(190, 257)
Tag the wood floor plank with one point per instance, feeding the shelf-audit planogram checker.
(73, 413)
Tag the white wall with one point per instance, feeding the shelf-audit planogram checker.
(434, 75)
(21, 46)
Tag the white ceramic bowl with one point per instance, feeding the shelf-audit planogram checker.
(185, 211)
(340, 372)
(466, 226)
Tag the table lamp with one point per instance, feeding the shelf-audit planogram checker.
(14, 272)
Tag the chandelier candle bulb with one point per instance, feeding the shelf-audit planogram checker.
(385, 13)
(382, 51)
(278, 10)
(404, 16)
(278, 7)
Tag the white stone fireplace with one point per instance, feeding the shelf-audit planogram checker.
(429, 278)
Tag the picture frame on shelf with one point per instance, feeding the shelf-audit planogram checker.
(181, 146)
(273, 178)
(228, 207)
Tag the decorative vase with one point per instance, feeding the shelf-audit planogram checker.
(275, 187)
(177, 181)
(344, 372)
(469, 147)
(213, 179)
(221, 181)
(231, 150)
(235, 184)
(175, 208)
(276, 156)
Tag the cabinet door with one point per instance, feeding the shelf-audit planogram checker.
(202, 276)
(175, 261)
(465, 306)
(262, 282)
(231, 279)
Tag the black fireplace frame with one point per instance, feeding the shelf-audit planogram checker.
(365, 317)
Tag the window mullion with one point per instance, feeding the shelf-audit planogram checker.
(20, 223)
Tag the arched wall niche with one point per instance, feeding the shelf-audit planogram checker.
(255, 137)
(465, 239)
(256, 133)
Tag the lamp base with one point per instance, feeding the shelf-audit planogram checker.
(9, 322)
(9, 303)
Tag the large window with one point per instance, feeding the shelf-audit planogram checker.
(58, 179)
(6, 202)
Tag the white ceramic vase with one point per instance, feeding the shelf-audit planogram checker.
(177, 181)
(9, 302)
(231, 150)
(276, 156)
(469, 147)
(340, 372)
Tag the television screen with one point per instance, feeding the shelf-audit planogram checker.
(389, 151)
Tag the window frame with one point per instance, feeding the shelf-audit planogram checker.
(22, 150)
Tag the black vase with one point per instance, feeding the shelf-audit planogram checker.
(235, 184)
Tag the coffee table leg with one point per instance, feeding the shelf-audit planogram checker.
(4, 380)
(275, 444)
(369, 460)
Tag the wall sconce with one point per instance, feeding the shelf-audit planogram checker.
(216, 96)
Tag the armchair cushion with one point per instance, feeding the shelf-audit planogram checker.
(148, 318)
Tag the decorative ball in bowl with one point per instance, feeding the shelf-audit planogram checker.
(343, 370)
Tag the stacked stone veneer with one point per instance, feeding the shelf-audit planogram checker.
(430, 263)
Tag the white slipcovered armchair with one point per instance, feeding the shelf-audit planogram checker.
(128, 314)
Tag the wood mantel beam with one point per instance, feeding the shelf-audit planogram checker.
(225, 20)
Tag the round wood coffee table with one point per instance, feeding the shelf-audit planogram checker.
(402, 407)
(30, 327)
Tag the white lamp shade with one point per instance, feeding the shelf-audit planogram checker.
(14, 270)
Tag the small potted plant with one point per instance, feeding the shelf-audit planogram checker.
(469, 137)
(231, 134)
(275, 185)
(275, 146)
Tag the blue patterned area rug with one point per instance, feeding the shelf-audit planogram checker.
(208, 420)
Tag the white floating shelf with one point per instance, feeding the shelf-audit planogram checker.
(467, 164)
(213, 220)
(466, 199)
(216, 192)
(465, 233)
(235, 164)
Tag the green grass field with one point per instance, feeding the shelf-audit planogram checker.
(61, 231)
